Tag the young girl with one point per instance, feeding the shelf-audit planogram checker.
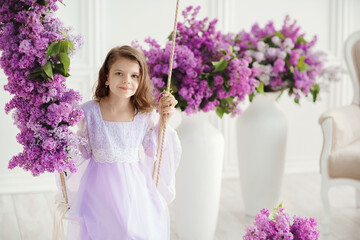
(117, 197)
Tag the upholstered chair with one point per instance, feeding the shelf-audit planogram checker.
(340, 157)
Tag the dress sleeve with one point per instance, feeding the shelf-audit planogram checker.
(170, 157)
(72, 180)
(84, 147)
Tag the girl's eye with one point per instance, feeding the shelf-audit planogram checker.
(118, 73)
(135, 76)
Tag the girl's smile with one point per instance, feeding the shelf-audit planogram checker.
(124, 88)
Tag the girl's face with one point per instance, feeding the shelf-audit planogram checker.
(123, 78)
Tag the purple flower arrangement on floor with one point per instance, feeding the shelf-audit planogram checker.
(285, 60)
(206, 73)
(278, 225)
(35, 57)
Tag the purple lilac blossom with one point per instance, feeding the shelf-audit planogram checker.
(278, 225)
(197, 86)
(42, 111)
(295, 65)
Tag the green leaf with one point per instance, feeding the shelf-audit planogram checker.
(220, 111)
(260, 88)
(296, 100)
(65, 60)
(223, 52)
(42, 2)
(278, 97)
(170, 36)
(64, 33)
(210, 80)
(202, 104)
(266, 39)
(53, 49)
(43, 75)
(230, 100)
(64, 47)
(220, 65)
(34, 74)
(59, 69)
(182, 103)
(213, 97)
(174, 89)
(280, 35)
(274, 212)
(302, 66)
(291, 69)
(251, 96)
(315, 90)
(174, 81)
(71, 45)
(47, 68)
(300, 40)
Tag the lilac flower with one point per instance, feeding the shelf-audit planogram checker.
(286, 60)
(259, 56)
(276, 40)
(42, 110)
(206, 75)
(287, 45)
(304, 228)
(278, 225)
(271, 52)
(294, 57)
(49, 144)
(279, 66)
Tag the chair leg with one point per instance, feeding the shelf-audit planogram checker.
(357, 197)
(326, 209)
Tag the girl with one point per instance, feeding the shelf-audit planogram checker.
(116, 197)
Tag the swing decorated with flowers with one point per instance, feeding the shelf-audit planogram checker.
(36, 49)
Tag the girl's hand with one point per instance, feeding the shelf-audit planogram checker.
(167, 105)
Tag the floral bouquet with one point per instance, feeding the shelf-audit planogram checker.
(35, 57)
(278, 225)
(285, 60)
(206, 73)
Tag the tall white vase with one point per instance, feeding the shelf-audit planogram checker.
(261, 133)
(198, 178)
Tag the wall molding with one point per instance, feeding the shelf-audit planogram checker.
(340, 27)
(23, 183)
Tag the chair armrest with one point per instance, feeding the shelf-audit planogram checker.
(345, 125)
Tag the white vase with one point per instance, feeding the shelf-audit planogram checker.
(198, 178)
(261, 134)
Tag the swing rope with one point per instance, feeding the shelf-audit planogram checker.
(64, 192)
(164, 119)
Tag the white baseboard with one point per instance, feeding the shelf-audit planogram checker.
(11, 184)
(293, 165)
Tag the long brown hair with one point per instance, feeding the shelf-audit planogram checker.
(143, 99)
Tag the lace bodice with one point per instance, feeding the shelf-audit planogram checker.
(110, 142)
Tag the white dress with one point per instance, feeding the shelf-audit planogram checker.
(113, 195)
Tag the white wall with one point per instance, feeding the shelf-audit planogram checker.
(332, 21)
(105, 24)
